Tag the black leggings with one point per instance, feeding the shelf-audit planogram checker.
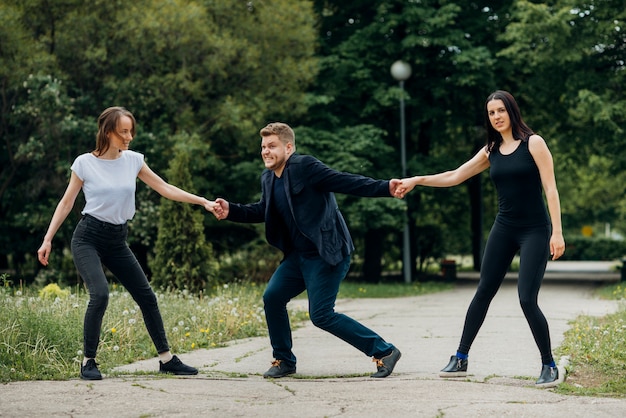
(502, 245)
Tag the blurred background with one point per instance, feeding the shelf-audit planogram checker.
(202, 78)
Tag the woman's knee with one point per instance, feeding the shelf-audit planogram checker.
(99, 300)
(146, 299)
(529, 304)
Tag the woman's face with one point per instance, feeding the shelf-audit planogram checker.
(498, 116)
(121, 137)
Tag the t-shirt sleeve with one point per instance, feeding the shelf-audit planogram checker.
(78, 168)
(137, 161)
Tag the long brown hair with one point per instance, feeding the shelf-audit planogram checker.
(107, 122)
(521, 131)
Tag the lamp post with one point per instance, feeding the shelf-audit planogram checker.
(401, 71)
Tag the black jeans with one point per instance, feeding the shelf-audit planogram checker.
(96, 243)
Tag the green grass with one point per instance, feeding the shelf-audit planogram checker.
(352, 290)
(596, 347)
(41, 331)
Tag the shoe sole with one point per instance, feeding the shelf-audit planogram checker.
(90, 378)
(178, 374)
(279, 376)
(561, 379)
(452, 374)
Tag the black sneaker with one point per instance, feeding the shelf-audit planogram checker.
(550, 377)
(90, 371)
(457, 367)
(175, 366)
(386, 364)
(279, 369)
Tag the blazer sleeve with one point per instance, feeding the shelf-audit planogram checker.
(251, 212)
(326, 179)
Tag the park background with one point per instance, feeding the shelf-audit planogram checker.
(202, 77)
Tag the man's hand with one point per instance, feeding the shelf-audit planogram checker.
(221, 208)
(404, 186)
(393, 188)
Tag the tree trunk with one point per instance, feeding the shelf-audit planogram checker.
(372, 266)
(476, 204)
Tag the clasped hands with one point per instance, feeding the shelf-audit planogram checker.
(400, 187)
(218, 207)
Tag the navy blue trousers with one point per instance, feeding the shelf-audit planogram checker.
(321, 280)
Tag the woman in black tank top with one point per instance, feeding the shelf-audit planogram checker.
(522, 170)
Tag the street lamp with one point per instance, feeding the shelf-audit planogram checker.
(401, 71)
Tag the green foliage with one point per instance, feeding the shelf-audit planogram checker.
(582, 248)
(253, 262)
(429, 245)
(223, 69)
(589, 193)
(212, 68)
(183, 259)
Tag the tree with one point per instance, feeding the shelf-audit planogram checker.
(182, 257)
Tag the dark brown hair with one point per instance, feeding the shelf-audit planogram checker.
(107, 122)
(521, 131)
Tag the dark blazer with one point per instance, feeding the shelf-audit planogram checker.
(310, 187)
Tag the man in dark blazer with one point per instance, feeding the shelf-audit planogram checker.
(302, 219)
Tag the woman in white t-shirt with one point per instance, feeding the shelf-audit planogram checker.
(107, 177)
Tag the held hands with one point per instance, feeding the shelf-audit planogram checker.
(399, 188)
(221, 208)
(393, 187)
(218, 207)
(210, 205)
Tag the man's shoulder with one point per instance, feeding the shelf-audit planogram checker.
(303, 160)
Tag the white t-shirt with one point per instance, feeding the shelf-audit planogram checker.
(109, 185)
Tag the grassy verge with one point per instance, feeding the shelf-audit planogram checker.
(596, 347)
(41, 331)
(351, 290)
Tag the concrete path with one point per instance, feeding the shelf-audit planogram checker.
(333, 378)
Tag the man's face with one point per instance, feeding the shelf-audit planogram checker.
(274, 153)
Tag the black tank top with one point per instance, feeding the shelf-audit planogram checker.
(518, 183)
